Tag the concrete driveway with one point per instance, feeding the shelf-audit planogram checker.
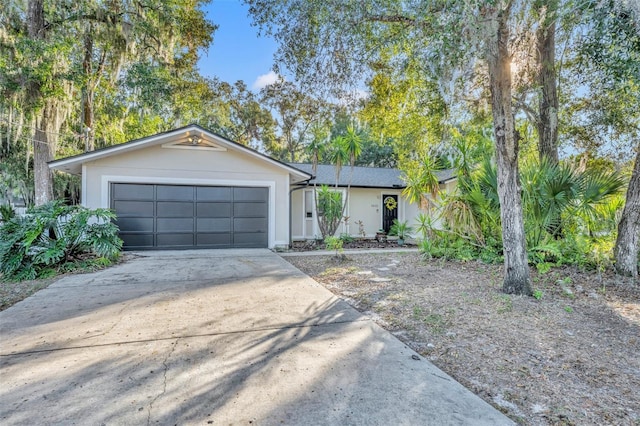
(213, 337)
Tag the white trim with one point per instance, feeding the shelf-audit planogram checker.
(83, 187)
(89, 156)
(107, 180)
(207, 146)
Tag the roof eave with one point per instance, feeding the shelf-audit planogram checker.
(73, 165)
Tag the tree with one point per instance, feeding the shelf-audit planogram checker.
(498, 58)
(59, 49)
(231, 110)
(628, 241)
(611, 50)
(50, 111)
(548, 100)
(295, 113)
(327, 44)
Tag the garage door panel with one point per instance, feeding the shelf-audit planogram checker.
(213, 193)
(223, 240)
(249, 210)
(250, 194)
(136, 224)
(213, 225)
(128, 191)
(249, 225)
(188, 216)
(134, 208)
(174, 225)
(174, 209)
(175, 193)
(174, 240)
(138, 241)
(250, 240)
(213, 209)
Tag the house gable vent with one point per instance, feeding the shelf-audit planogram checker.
(194, 142)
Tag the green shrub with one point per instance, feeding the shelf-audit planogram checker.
(52, 236)
(346, 238)
(400, 229)
(6, 212)
(330, 209)
(570, 215)
(333, 243)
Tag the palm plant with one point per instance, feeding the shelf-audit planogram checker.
(338, 154)
(425, 225)
(352, 144)
(474, 211)
(6, 212)
(421, 179)
(556, 196)
(317, 147)
(401, 230)
(596, 189)
(341, 150)
(548, 190)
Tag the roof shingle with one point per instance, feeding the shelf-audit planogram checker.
(364, 177)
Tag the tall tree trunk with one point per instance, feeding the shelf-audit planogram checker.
(48, 112)
(42, 147)
(548, 104)
(516, 265)
(87, 91)
(628, 241)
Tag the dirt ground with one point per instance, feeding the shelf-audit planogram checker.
(570, 356)
(13, 292)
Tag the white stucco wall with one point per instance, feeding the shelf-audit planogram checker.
(162, 165)
(365, 204)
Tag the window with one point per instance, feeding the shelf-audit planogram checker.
(308, 204)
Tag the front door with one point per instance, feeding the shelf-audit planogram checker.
(389, 210)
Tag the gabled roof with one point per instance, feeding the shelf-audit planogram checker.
(207, 140)
(364, 177)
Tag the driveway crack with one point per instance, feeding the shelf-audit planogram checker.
(115, 323)
(164, 380)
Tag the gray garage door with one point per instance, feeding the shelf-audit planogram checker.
(185, 216)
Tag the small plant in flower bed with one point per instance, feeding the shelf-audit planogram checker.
(55, 238)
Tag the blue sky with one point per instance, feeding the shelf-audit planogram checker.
(237, 53)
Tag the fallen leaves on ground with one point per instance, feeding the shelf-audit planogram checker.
(569, 357)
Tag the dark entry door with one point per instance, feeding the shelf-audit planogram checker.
(389, 210)
(154, 216)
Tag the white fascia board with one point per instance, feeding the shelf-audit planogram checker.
(74, 163)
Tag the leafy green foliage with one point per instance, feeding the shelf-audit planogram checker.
(420, 178)
(92, 72)
(425, 225)
(334, 243)
(54, 237)
(330, 208)
(570, 215)
(297, 113)
(6, 213)
(400, 229)
(346, 238)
